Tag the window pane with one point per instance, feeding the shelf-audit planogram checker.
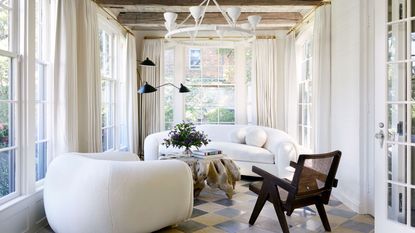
(104, 140)
(7, 172)
(105, 114)
(209, 74)
(248, 66)
(397, 122)
(194, 59)
(226, 115)
(397, 10)
(397, 41)
(4, 29)
(123, 136)
(397, 203)
(110, 138)
(105, 47)
(396, 162)
(40, 82)
(6, 125)
(226, 56)
(209, 57)
(6, 3)
(41, 160)
(41, 120)
(210, 115)
(226, 74)
(193, 76)
(5, 78)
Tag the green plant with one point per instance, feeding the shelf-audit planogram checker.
(185, 135)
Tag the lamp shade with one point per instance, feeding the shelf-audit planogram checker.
(147, 62)
(254, 20)
(146, 88)
(183, 89)
(234, 13)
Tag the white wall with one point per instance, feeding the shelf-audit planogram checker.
(347, 100)
(25, 215)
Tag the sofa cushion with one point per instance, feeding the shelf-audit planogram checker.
(243, 152)
(238, 136)
(256, 137)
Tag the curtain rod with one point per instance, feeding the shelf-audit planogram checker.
(306, 17)
(112, 17)
(208, 37)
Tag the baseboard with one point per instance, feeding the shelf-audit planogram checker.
(352, 204)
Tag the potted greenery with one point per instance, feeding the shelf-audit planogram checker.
(185, 135)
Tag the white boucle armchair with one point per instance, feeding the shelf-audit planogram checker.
(113, 192)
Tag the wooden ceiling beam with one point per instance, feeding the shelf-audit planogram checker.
(221, 2)
(134, 18)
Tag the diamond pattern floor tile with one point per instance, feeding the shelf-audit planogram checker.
(214, 213)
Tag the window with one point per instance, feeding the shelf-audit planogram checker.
(9, 151)
(113, 88)
(212, 96)
(106, 40)
(41, 86)
(248, 81)
(168, 91)
(305, 97)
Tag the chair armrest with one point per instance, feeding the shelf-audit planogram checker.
(277, 181)
(293, 164)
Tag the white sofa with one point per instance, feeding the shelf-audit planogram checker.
(274, 156)
(113, 192)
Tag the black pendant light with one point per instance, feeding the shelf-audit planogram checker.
(147, 62)
(183, 89)
(146, 88)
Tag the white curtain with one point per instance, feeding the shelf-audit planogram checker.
(265, 84)
(89, 77)
(132, 95)
(290, 76)
(321, 68)
(65, 97)
(150, 102)
(76, 94)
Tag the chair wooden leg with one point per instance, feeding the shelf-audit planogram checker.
(323, 216)
(260, 202)
(276, 201)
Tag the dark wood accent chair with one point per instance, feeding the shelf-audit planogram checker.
(313, 179)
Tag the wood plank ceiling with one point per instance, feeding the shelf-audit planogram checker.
(148, 14)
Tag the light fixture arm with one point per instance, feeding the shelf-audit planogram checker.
(165, 84)
(228, 20)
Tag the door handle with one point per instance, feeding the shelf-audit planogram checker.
(381, 137)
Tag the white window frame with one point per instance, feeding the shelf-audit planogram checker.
(234, 85)
(240, 86)
(304, 39)
(45, 62)
(13, 54)
(117, 82)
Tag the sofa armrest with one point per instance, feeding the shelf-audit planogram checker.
(151, 145)
(284, 150)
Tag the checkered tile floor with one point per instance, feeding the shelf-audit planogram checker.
(213, 212)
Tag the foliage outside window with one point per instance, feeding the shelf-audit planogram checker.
(305, 97)
(212, 96)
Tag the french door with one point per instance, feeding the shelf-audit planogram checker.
(395, 116)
